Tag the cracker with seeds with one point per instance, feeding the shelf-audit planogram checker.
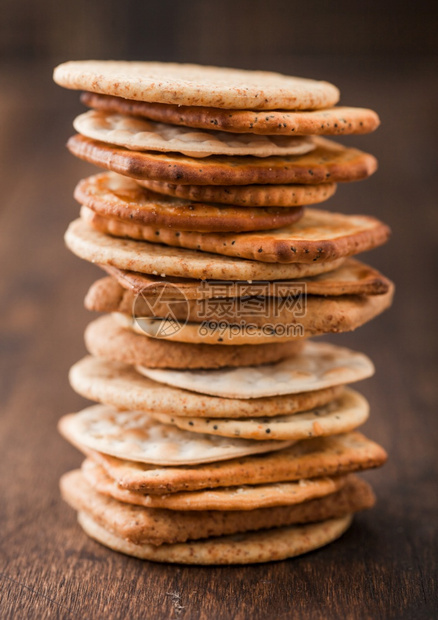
(317, 236)
(121, 386)
(196, 85)
(343, 414)
(351, 278)
(309, 458)
(253, 548)
(316, 366)
(159, 260)
(157, 525)
(104, 338)
(112, 195)
(290, 195)
(323, 315)
(329, 162)
(340, 120)
(231, 498)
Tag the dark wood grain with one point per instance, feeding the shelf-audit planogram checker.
(385, 565)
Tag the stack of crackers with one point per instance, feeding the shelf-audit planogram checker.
(224, 432)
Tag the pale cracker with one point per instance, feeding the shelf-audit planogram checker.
(317, 366)
(318, 236)
(342, 415)
(113, 195)
(119, 385)
(159, 260)
(332, 121)
(309, 458)
(141, 135)
(231, 498)
(137, 436)
(196, 85)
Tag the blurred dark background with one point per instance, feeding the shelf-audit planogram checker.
(249, 33)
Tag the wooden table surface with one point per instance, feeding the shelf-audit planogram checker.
(385, 565)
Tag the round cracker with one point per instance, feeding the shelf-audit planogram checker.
(231, 320)
(137, 436)
(246, 195)
(113, 195)
(317, 237)
(231, 498)
(351, 278)
(119, 385)
(329, 162)
(254, 548)
(141, 135)
(211, 333)
(332, 121)
(318, 365)
(157, 526)
(196, 85)
(160, 260)
(104, 338)
(320, 315)
(342, 415)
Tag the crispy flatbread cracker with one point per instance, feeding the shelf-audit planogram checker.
(138, 134)
(104, 338)
(342, 415)
(317, 236)
(196, 85)
(329, 162)
(351, 278)
(121, 386)
(310, 458)
(160, 260)
(316, 366)
(332, 121)
(254, 548)
(137, 436)
(112, 195)
(158, 526)
(322, 315)
(231, 498)
(246, 195)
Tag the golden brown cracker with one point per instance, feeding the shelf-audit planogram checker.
(340, 120)
(112, 195)
(104, 338)
(157, 526)
(310, 458)
(330, 162)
